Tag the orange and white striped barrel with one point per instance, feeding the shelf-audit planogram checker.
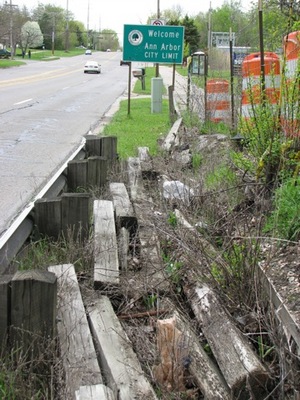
(291, 49)
(290, 118)
(252, 82)
(217, 100)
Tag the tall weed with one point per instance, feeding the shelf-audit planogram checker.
(284, 221)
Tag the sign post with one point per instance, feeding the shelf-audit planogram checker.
(154, 44)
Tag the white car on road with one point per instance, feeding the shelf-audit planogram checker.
(92, 67)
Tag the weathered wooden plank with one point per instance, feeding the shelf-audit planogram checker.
(135, 179)
(239, 364)
(181, 355)
(123, 207)
(47, 217)
(97, 171)
(282, 312)
(121, 368)
(33, 309)
(123, 248)
(75, 340)
(152, 271)
(76, 215)
(93, 145)
(5, 282)
(106, 265)
(77, 174)
(109, 147)
(95, 392)
(172, 137)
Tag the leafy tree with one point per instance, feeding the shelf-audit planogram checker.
(289, 8)
(201, 24)
(77, 29)
(57, 22)
(31, 35)
(171, 14)
(52, 21)
(108, 39)
(15, 16)
(191, 33)
(4, 25)
(231, 16)
(280, 18)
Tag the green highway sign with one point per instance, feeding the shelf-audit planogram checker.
(150, 43)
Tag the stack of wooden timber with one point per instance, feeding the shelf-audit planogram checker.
(94, 347)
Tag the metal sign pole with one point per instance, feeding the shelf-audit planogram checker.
(129, 89)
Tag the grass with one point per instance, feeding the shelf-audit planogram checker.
(7, 63)
(140, 128)
(44, 55)
(150, 73)
(39, 55)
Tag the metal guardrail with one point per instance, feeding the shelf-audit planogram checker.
(18, 232)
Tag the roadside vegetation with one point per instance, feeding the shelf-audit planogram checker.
(247, 207)
(140, 128)
(38, 55)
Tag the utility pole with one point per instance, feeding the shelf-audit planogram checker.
(158, 16)
(262, 54)
(209, 28)
(87, 25)
(67, 28)
(53, 33)
(11, 41)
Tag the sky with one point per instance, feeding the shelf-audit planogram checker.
(114, 14)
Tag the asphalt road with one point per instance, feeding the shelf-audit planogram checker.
(46, 109)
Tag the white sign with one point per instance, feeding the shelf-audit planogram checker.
(222, 38)
(158, 22)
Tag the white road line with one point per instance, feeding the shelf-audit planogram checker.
(21, 102)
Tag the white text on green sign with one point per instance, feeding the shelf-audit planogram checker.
(158, 44)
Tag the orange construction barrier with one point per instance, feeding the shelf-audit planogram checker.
(218, 100)
(252, 82)
(290, 115)
(291, 48)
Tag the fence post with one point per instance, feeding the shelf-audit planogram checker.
(5, 281)
(48, 217)
(75, 211)
(33, 310)
(109, 147)
(93, 145)
(97, 171)
(77, 174)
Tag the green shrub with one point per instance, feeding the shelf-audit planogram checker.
(242, 161)
(172, 219)
(284, 221)
(221, 176)
(197, 160)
